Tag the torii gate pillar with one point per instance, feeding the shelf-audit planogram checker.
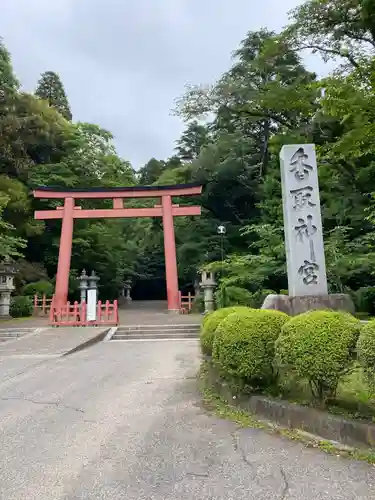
(171, 273)
(65, 253)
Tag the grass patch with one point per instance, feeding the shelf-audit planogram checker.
(353, 400)
(215, 404)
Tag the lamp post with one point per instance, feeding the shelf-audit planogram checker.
(221, 231)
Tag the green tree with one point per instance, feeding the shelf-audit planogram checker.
(192, 140)
(51, 89)
(151, 172)
(338, 29)
(8, 81)
(10, 244)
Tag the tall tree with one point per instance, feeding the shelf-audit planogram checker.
(191, 142)
(8, 81)
(267, 88)
(336, 29)
(51, 89)
(151, 172)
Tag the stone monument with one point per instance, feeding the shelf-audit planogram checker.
(92, 296)
(208, 285)
(307, 279)
(7, 273)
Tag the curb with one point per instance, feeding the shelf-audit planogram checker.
(110, 333)
(94, 340)
(293, 416)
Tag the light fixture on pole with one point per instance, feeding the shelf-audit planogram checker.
(221, 231)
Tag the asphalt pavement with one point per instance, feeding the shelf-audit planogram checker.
(123, 420)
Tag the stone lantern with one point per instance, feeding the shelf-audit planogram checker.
(7, 273)
(127, 289)
(83, 285)
(208, 285)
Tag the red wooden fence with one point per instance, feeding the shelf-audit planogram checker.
(186, 302)
(42, 305)
(76, 314)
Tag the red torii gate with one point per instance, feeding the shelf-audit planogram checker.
(70, 211)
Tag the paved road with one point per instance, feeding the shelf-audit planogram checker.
(123, 421)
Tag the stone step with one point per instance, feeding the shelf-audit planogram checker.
(156, 330)
(155, 336)
(180, 326)
(14, 333)
(149, 332)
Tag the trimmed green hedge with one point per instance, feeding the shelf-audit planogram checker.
(244, 347)
(366, 350)
(210, 324)
(319, 346)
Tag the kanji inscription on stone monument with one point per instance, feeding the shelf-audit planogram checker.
(302, 221)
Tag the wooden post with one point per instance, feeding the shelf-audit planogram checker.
(99, 312)
(115, 305)
(35, 305)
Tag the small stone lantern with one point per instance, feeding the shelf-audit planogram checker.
(127, 289)
(7, 273)
(83, 285)
(208, 285)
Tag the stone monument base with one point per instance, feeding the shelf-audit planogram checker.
(298, 305)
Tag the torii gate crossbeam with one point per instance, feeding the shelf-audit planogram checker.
(70, 211)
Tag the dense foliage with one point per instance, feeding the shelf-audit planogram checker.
(244, 347)
(234, 130)
(21, 306)
(366, 350)
(318, 346)
(319, 358)
(211, 323)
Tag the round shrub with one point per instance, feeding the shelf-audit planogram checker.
(366, 348)
(319, 346)
(210, 324)
(42, 287)
(244, 347)
(21, 307)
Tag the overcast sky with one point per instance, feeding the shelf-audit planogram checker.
(123, 62)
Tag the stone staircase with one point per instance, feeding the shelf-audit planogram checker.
(157, 332)
(14, 333)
